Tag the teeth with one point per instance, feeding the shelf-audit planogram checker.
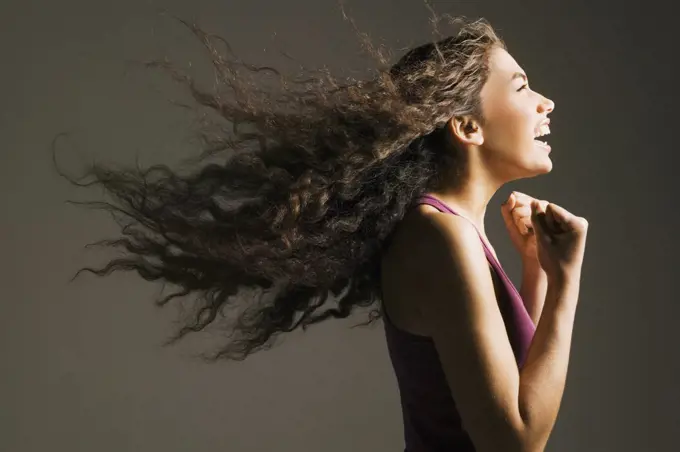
(543, 130)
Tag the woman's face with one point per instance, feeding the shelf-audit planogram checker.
(513, 115)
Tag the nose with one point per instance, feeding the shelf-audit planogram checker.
(546, 105)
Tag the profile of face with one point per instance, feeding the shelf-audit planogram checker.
(510, 142)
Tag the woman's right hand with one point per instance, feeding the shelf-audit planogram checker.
(561, 240)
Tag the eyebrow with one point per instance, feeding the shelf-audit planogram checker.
(517, 75)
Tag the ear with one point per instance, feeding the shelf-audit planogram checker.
(466, 130)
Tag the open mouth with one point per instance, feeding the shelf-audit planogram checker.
(542, 144)
(543, 130)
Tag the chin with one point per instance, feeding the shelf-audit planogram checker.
(543, 169)
(547, 167)
(542, 164)
(537, 168)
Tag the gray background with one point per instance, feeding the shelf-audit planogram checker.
(82, 366)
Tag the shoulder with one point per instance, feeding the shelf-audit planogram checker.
(450, 248)
(449, 284)
(432, 257)
(426, 236)
(434, 233)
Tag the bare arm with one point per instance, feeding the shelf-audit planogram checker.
(534, 288)
(543, 376)
(501, 407)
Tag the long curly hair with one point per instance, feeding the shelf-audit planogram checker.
(309, 183)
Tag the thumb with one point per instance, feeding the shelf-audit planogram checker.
(506, 211)
(563, 219)
(538, 219)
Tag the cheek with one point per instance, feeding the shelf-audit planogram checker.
(506, 135)
(509, 130)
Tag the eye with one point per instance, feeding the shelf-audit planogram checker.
(523, 87)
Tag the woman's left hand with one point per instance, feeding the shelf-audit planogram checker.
(516, 212)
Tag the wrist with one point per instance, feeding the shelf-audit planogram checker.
(565, 278)
(531, 264)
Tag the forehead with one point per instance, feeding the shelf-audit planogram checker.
(502, 66)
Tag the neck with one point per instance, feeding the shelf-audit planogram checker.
(469, 193)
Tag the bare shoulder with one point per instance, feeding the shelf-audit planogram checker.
(439, 272)
(407, 267)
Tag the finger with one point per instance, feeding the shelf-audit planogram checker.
(506, 212)
(525, 201)
(550, 221)
(562, 218)
(522, 218)
(522, 211)
(510, 202)
(516, 229)
(519, 194)
(523, 198)
(524, 225)
(538, 221)
(507, 206)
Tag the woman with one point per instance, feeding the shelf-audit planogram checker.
(375, 192)
(474, 372)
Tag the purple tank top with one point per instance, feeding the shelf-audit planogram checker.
(431, 421)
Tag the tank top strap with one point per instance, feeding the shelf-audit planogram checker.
(524, 327)
(442, 207)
